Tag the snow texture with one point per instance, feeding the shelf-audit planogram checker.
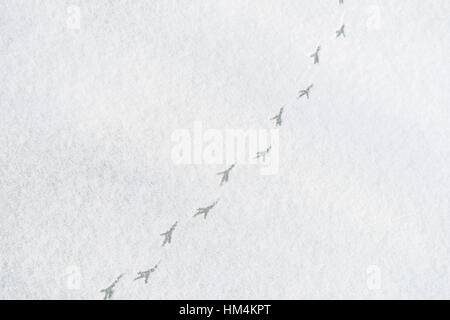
(91, 92)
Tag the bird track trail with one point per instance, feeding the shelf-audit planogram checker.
(306, 82)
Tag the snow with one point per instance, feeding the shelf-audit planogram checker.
(359, 207)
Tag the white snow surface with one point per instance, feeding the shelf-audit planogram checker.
(87, 183)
